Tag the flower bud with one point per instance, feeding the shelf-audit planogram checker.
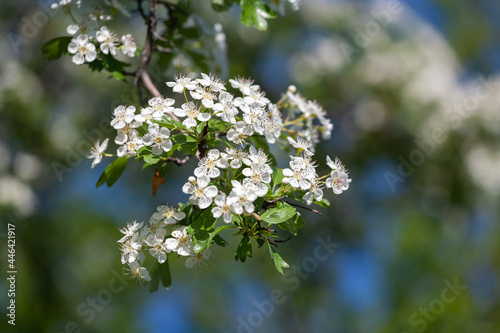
(292, 89)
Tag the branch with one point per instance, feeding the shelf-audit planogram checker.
(179, 161)
(306, 208)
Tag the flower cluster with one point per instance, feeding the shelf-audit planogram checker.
(236, 180)
(92, 35)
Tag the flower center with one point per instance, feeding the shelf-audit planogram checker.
(168, 214)
(210, 164)
(192, 113)
(199, 192)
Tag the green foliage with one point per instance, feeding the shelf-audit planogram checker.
(113, 172)
(56, 48)
(160, 272)
(279, 214)
(293, 224)
(244, 249)
(256, 12)
(278, 261)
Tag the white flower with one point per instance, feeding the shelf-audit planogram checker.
(155, 227)
(158, 138)
(225, 109)
(158, 248)
(183, 82)
(222, 208)
(122, 116)
(82, 27)
(82, 49)
(66, 5)
(235, 156)
(168, 215)
(339, 181)
(130, 249)
(129, 148)
(254, 116)
(191, 112)
(258, 175)
(128, 47)
(209, 164)
(137, 272)
(107, 39)
(180, 243)
(157, 108)
(206, 96)
(130, 230)
(315, 192)
(239, 133)
(337, 165)
(201, 193)
(301, 145)
(214, 83)
(244, 85)
(272, 130)
(298, 177)
(256, 96)
(241, 197)
(125, 132)
(97, 151)
(198, 258)
(259, 158)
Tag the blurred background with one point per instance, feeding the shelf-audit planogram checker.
(413, 90)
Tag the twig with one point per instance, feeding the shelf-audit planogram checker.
(273, 202)
(306, 208)
(179, 161)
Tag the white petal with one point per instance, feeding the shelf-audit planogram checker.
(211, 191)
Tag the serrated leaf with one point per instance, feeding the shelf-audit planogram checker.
(279, 263)
(278, 214)
(256, 12)
(244, 249)
(151, 159)
(113, 172)
(294, 224)
(188, 148)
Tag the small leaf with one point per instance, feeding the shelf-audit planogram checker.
(151, 159)
(164, 272)
(222, 5)
(155, 278)
(278, 261)
(188, 148)
(279, 214)
(113, 172)
(244, 249)
(256, 12)
(323, 203)
(56, 47)
(294, 224)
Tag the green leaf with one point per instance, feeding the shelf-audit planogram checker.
(323, 203)
(222, 5)
(112, 64)
(294, 224)
(55, 48)
(277, 176)
(278, 261)
(164, 272)
(244, 249)
(188, 148)
(256, 12)
(151, 159)
(170, 124)
(279, 214)
(201, 225)
(183, 138)
(220, 241)
(113, 172)
(155, 278)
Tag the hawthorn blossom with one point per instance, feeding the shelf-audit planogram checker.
(157, 108)
(182, 82)
(97, 151)
(259, 176)
(337, 165)
(209, 164)
(180, 242)
(256, 96)
(168, 215)
(191, 112)
(206, 96)
(130, 248)
(314, 192)
(301, 145)
(158, 138)
(122, 116)
(107, 39)
(225, 108)
(82, 49)
(241, 197)
(66, 5)
(271, 130)
(338, 181)
(298, 177)
(239, 133)
(158, 248)
(201, 192)
(223, 208)
(125, 132)
(128, 45)
(259, 158)
(198, 258)
(131, 146)
(137, 272)
(154, 227)
(212, 82)
(235, 156)
(130, 230)
(244, 85)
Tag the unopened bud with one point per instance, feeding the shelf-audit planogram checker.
(292, 89)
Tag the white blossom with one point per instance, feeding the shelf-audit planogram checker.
(131, 146)
(191, 112)
(244, 85)
(180, 242)
(225, 108)
(239, 133)
(314, 192)
(181, 83)
(97, 151)
(158, 138)
(223, 208)
(298, 177)
(201, 192)
(158, 248)
(82, 49)
(198, 258)
(107, 39)
(206, 96)
(301, 145)
(137, 272)
(209, 164)
(130, 230)
(339, 181)
(154, 227)
(259, 158)
(66, 5)
(168, 215)
(128, 45)
(241, 197)
(122, 116)
(235, 156)
(212, 82)
(130, 248)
